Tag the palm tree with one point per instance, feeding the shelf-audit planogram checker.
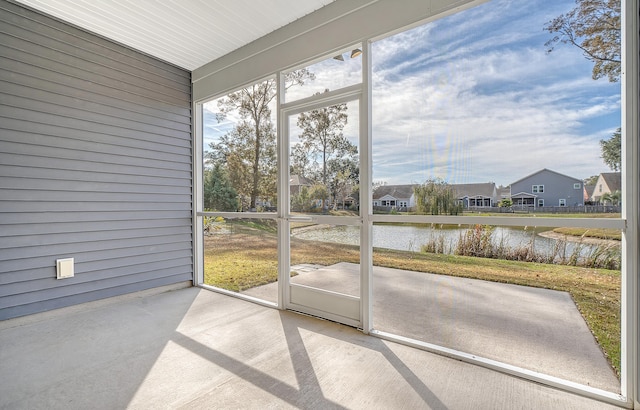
(612, 198)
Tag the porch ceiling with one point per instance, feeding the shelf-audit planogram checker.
(187, 33)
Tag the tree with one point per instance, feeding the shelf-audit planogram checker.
(591, 180)
(301, 202)
(308, 198)
(345, 175)
(254, 136)
(594, 27)
(235, 152)
(436, 197)
(322, 135)
(342, 186)
(612, 198)
(219, 195)
(317, 194)
(323, 145)
(612, 151)
(616, 197)
(301, 163)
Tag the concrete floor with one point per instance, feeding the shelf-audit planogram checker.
(535, 329)
(195, 349)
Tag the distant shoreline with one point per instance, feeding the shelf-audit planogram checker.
(572, 238)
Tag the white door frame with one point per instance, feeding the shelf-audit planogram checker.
(334, 306)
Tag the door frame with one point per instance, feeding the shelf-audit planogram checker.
(314, 301)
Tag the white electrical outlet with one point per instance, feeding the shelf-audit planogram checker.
(64, 268)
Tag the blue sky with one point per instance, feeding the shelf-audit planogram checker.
(474, 97)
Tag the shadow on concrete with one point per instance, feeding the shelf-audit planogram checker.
(536, 329)
(195, 349)
(302, 363)
(92, 356)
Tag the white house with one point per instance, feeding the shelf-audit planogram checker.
(394, 196)
(607, 183)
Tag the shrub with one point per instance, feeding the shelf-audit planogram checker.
(479, 241)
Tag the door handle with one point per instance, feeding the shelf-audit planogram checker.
(300, 219)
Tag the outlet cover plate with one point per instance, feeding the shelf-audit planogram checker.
(64, 268)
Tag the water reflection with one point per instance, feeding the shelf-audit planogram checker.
(413, 237)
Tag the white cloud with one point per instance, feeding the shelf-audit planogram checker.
(475, 97)
(486, 108)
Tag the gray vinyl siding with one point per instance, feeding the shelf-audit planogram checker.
(556, 186)
(95, 164)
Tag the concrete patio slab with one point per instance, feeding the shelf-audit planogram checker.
(196, 349)
(536, 329)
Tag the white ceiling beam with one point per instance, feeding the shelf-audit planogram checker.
(332, 28)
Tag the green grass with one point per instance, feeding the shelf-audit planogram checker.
(247, 257)
(597, 233)
(239, 261)
(546, 215)
(534, 214)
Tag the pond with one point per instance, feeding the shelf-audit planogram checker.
(413, 237)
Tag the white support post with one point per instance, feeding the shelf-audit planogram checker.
(366, 208)
(630, 379)
(284, 238)
(197, 220)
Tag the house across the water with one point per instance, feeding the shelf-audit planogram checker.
(402, 198)
(546, 188)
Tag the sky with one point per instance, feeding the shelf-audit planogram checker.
(475, 97)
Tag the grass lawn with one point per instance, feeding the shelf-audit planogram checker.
(546, 215)
(597, 233)
(247, 257)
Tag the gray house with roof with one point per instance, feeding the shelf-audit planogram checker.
(475, 195)
(394, 196)
(297, 182)
(547, 188)
(479, 195)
